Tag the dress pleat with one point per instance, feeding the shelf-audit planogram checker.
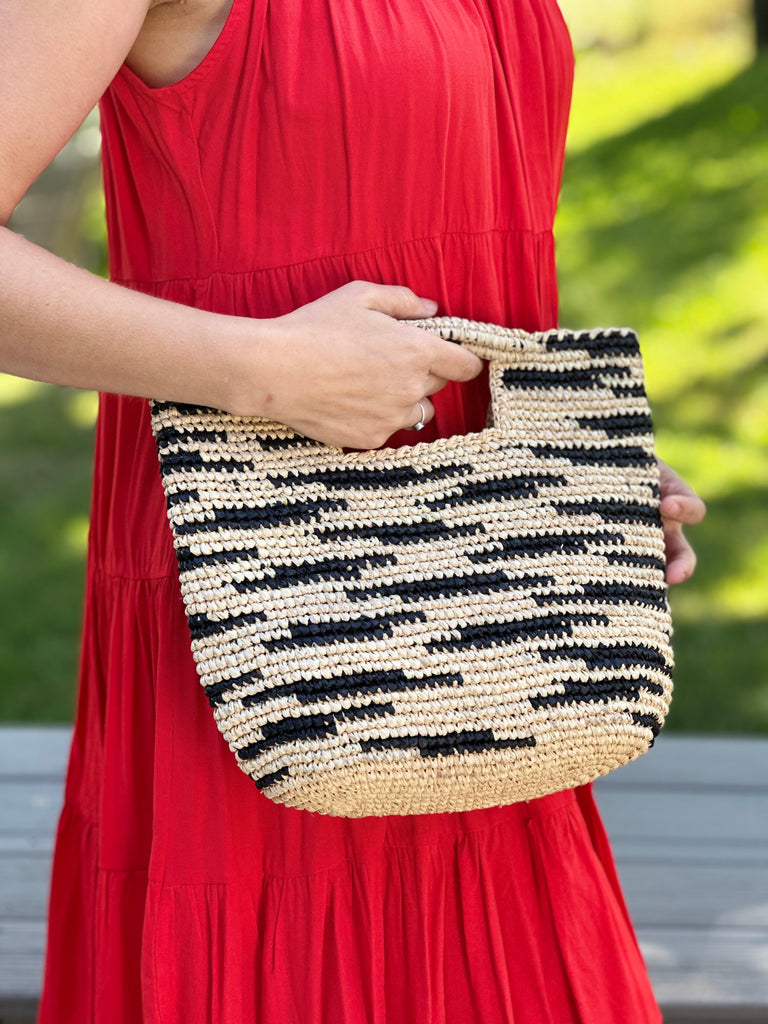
(415, 142)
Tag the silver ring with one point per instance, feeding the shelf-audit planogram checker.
(420, 424)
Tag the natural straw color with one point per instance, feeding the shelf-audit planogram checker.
(466, 622)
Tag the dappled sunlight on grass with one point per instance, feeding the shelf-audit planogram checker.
(82, 408)
(717, 467)
(654, 78)
(74, 535)
(15, 390)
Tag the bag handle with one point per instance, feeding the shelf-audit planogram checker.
(488, 341)
(601, 358)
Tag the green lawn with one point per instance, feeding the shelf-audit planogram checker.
(663, 225)
(45, 468)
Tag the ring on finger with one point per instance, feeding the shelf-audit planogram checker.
(420, 424)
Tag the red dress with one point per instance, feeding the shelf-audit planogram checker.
(408, 141)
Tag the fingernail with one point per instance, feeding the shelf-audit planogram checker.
(430, 306)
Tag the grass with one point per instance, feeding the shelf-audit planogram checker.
(662, 225)
(45, 468)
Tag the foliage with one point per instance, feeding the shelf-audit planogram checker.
(663, 227)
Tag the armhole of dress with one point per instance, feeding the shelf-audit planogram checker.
(212, 59)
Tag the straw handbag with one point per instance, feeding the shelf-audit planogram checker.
(461, 623)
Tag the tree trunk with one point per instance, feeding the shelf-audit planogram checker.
(760, 13)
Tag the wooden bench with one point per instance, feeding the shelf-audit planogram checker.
(688, 823)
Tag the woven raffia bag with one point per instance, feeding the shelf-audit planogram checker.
(470, 621)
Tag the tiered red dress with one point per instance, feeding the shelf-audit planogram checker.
(402, 141)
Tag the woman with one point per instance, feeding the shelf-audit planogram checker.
(284, 179)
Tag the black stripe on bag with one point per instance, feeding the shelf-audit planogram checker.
(307, 727)
(320, 688)
(615, 455)
(466, 742)
(612, 510)
(603, 691)
(357, 630)
(603, 656)
(433, 587)
(539, 545)
(202, 626)
(572, 379)
(499, 634)
(606, 593)
(602, 345)
(497, 489)
(418, 532)
(350, 478)
(258, 517)
(632, 423)
(647, 722)
(278, 577)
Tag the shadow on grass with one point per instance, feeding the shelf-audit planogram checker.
(721, 675)
(716, 398)
(720, 686)
(643, 211)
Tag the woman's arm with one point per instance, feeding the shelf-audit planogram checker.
(340, 369)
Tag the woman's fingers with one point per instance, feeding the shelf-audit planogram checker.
(350, 372)
(681, 558)
(447, 360)
(393, 299)
(425, 412)
(434, 384)
(679, 505)
(683, 508)
(678, 499)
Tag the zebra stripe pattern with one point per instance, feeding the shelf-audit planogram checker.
(466, 622)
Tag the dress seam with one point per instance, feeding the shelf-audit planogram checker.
(348, 863)
(100, 570)
(400, 243)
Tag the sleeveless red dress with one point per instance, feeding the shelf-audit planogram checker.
(417, 142)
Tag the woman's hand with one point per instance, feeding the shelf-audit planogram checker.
(679, 506)
(344, 370)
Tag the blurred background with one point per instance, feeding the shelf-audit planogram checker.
(663, 225)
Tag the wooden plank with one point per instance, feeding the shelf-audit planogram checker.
(704, 762)
(24, 884)
(688, 824)
(677, 1014)
(696, 896)
(18, 1012)
(21, 958)
(695, 967)
(26, 844)
(648, 849)
(34, 750)
(30, 807)
(698, 816)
